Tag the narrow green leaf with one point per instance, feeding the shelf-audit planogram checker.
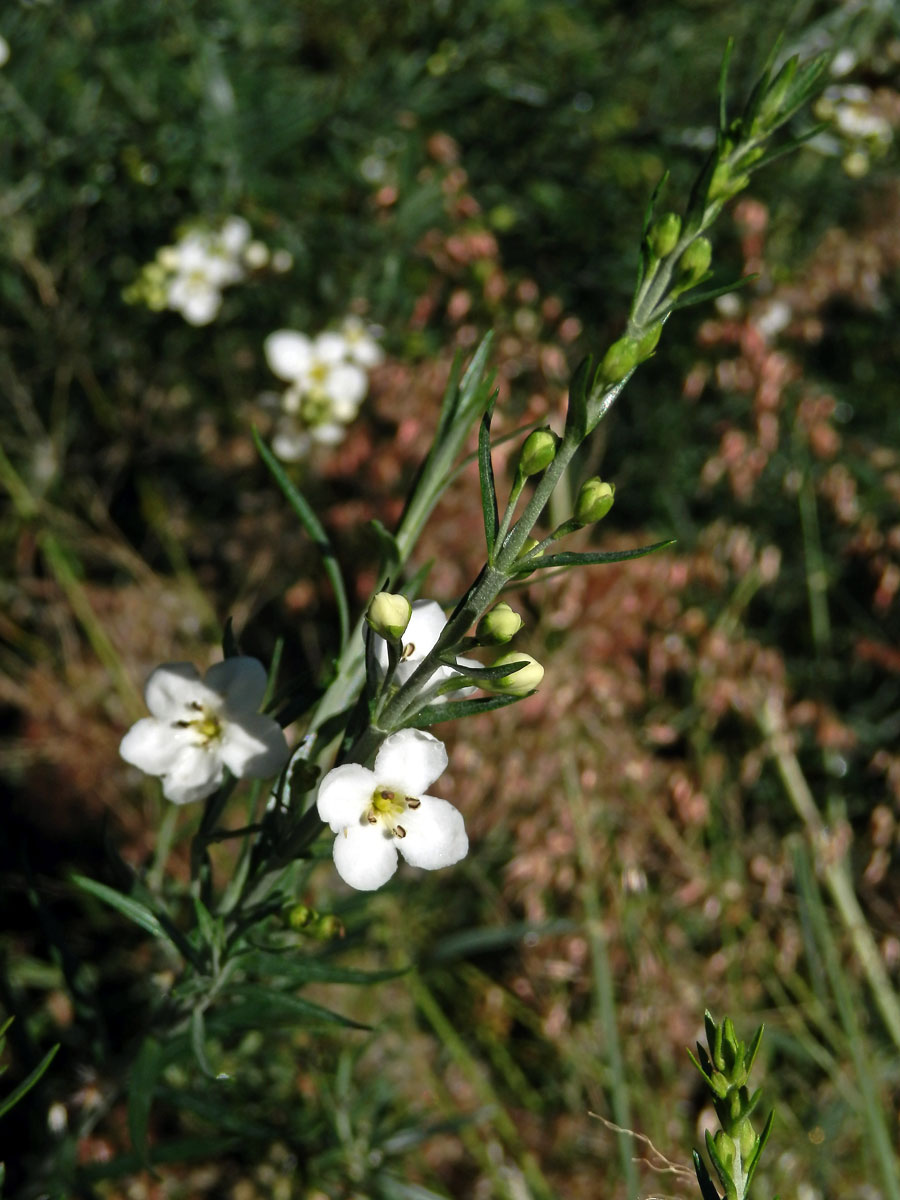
(692, 297)
(475, 389)
(580, 387)
(486, 478)
(574, 559)
(314, 528)
(258, 1005)
(434, 714)
(450, 400)
(723, 85)
(198, 1042)
(291, 969)
(28, 1083)
(489, 939)
(388, 550)
(707, 1187)
(760, 1146)
(485, 672)
(132, 909)
(230, 647)
(141, 1087)
(210, 928)
(789, 147)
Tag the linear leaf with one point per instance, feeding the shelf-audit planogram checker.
(486, 672)
(132, 909)
(313, 527)
(486, 477)
(713, 293)
(574, 559)
(28, 1083)
(707, 1187)
(433, 714)
(258, 1005)
(141, 1087)
(289, 968)
(388, 550)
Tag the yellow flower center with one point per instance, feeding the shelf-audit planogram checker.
(387, 805)
(207, 724)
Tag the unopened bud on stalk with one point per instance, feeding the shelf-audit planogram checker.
(695, 261)
(649, 341)
(388, 615)
(538, 452)
(620, 358)
(520, 682)
(594, 501)
(725, 1148)
(499, 625)
(664, 233)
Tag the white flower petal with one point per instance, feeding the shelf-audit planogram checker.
(198, 301)
(290, 443)
(328, 435)
(365, 857)
(234, 235)
(346, 386)
(435, 835)
(240, 681)
(171, 688)
(330, 348)
(197, 773)
(288, 354)
(155, 746)
(410, 760)
(344, 795)
(254, 746)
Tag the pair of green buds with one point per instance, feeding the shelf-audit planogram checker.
(595, 497)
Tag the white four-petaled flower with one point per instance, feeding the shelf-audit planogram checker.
(376, 813)
(201, 727)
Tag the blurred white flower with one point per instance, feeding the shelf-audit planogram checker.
(190, 276)
(199, 728)
(360, 342)
(379, 812)
(4, 51)
(327, 383)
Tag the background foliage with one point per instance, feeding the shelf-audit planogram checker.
(640, 849)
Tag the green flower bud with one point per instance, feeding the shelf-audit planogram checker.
(389, 615)
(724, 1148)
(648, 342)
(620, 358)
(664, 233)
(521, 682)
(594, 501)
(538, 452)
(747, 1139)
(300, 916)
(327, 926)
(499, 625)
(695, 261)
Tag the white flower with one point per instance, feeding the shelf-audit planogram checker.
(318, 366)
(361, 346)
(4, 51)
(201, 727)
(425, 627)
(376, 813)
